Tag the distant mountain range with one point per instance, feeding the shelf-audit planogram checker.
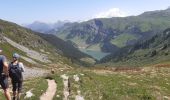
(43, 27)
(108, 35)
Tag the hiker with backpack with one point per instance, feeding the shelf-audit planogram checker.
(15, 72)
(4, 75)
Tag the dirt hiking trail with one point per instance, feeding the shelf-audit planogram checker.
(51, 90)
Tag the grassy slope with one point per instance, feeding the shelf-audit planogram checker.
(141, 53)
(126, 86)
(122, 39)
(151, 83)
(24, 37)
(8, 50)
(38, 86)
(148, 83)
(79, 42)
(67, 48)
(30, 40)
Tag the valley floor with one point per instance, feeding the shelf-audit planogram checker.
(148, 83)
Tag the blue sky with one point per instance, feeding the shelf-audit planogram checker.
(27, 11)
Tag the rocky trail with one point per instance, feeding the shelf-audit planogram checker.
(66, 86)
(50, 92)
(34, 72)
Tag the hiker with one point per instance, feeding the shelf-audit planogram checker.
(4, 75)
(15, 72)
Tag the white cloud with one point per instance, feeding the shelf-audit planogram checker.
(114, 12)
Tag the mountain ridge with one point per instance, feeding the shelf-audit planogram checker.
(44, 27)
(152, 51)
(117, 32)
